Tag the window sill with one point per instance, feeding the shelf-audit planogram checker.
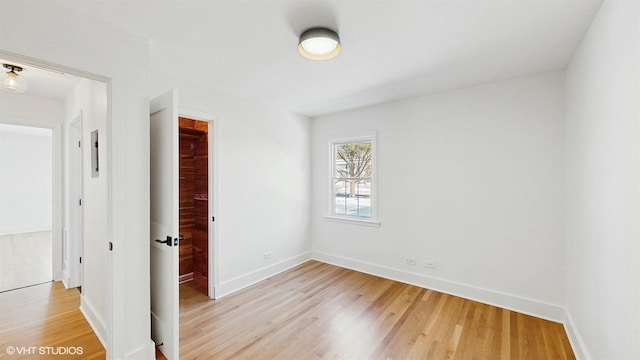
(347, 220)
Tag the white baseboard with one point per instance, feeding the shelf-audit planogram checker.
(266, 272)
(95, 321)
(578, 345)
(144, 352)
(507, 301)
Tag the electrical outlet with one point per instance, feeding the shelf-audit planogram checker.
(267, 255)
(429, 264)
(410, 261)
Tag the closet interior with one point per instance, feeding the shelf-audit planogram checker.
(194, 201)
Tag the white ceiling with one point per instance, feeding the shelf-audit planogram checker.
(391, 48)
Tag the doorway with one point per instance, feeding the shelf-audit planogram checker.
(26, 206)
(54, 99)
(194, 202)
(165, 232)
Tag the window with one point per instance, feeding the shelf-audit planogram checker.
(352, 179)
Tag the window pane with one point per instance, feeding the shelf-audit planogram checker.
(340, 197)
(352, 178)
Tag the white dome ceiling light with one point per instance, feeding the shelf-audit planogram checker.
(319, 44)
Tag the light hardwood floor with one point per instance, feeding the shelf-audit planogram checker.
(312, 311)
(43, 321)
(316, 311)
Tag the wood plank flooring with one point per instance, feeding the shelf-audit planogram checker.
(313, 311)
(320, 311)
(44, 322)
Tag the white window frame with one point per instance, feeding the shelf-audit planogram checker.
(351, 219)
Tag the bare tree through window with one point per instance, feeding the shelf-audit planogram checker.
(352, 177)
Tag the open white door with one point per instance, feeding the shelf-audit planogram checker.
(164, 224)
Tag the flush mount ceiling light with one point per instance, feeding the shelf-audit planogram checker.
(319, 44)
(11, 81)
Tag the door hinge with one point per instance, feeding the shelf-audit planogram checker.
(79, 144)
(110, 246)
(80, 259)
(213, 218)
(80, 202)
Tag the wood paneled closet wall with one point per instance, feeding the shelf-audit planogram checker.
(194, 200)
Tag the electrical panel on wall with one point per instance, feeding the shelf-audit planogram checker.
(95, 163)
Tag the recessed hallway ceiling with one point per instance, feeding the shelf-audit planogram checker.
(391, 48)
(45, 83)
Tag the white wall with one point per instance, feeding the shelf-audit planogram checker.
(34, 111)
(59, 33)
(471, 179)
(26, 179)
(42, 112)
(89, 97)
(602, 180)
(30, 110)
(263, 179)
